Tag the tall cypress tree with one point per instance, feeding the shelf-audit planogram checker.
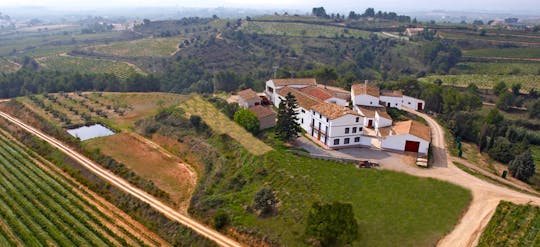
(287, 127)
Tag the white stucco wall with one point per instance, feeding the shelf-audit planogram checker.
(247, 104)
(397, 142)
(395, 102)
(365, 100)
(412, 103)
(381, 121)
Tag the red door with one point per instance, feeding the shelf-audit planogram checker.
(411, 146)
(419, 106)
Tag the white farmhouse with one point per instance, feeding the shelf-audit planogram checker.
(305, 102)
(248, 98)
(391, 98)
(413, 103)
(325, 95)
(336, 126)
(273, 85)
(365, 94)
(408, 136)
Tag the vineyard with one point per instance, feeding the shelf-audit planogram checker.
(498, 68)
(506, 53)
(85, 65)
(301, 29)
(157, 47)
(40, 207)
(513, 225)
(487, 80)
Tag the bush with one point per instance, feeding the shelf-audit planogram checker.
(522, 167)
(221, 219)
(248, 120)
(265, 200)
(332, 224)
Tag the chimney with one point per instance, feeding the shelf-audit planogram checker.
(365, 82)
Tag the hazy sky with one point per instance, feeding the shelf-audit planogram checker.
(335, 5)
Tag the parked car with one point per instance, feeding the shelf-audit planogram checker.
(366, 164)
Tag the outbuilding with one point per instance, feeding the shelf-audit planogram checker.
(407, 136)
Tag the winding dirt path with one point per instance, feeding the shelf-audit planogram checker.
(486, 196)
(122, 184)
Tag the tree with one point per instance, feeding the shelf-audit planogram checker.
(265, 201)
(522, 167)
(248, 120)
(505, 101)
(500, 88)
(332, 224)
(326, 75)
(501, 150)
(287, 127)
(534, 109)
(370, 12)
(516, 87)
(319, 12)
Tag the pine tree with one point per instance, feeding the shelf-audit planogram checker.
(522, 167)
(287, 127)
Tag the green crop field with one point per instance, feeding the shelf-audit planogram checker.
(490, 36)
(487, 80)
(300, 29)
(506, 53)
(497, 68)
(158, 47)
(513, 225)
(38, 208)
(83, 64)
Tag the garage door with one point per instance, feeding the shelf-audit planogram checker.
(411, 146)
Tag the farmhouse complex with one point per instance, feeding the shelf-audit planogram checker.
(325, 115)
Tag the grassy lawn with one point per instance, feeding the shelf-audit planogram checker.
(487, 80)
(509, 52)
(301, 29)
(513, 225)
(84, 65)
(159, 47)
(166, 171)
(390, 207)
(223, 125)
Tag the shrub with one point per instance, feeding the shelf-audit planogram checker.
(248, 120)
(221, 219)
(332, 224)
(265, 200)
(522, 167)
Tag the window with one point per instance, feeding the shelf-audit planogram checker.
(336, 141)
(357, 139)
(357, 119)
(371, 102)
(271, 90)
(359, 128)
(409, 103)
(302, 120)
(354, 130)
(346, 141)
(327, 120)
(303, 111)
(346, 130)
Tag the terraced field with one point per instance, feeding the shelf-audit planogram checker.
(533, 53)
(85, 65)
(487, 80)
(513, 225)
(7, 66)
(157, 47)
(40, 207)
(223, 125)
(498, 68)
(301, 29)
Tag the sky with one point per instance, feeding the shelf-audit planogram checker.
(333, 6)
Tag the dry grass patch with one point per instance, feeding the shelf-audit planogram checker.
(223, 125)
(168, 172)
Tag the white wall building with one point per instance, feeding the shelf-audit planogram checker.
(413, 103)
(273, 85)
(336, 126)
(409, 136)
(365, 95)
(391, 98)
(248, 98)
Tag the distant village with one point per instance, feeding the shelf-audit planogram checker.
(326, 115)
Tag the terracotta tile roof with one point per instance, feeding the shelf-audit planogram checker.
(316, 92)
(385, 131)
(414, 128)
(333, 111)
(262, 111)
(248, 94)
(294, 81)
(382, 113)
(360, 89)
(392, 93)
(368, 111)
(304, 100)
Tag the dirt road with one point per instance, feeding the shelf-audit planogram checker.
(486, 196)
(201, 229)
